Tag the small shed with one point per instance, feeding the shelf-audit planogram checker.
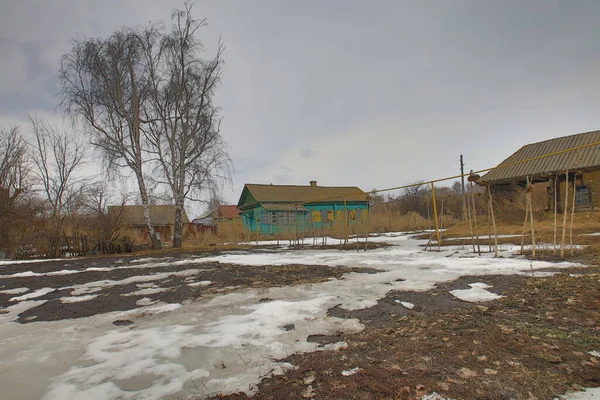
(548, 174)
(162, 216)
(274, 209)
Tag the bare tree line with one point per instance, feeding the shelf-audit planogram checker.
(144, 96)
(146, 93)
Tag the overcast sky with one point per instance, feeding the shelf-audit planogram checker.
(368, 93)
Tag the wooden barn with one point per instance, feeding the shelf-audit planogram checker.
(274, 209)
(549, 174)
(163, 219)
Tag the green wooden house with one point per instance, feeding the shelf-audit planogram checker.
(274, 209)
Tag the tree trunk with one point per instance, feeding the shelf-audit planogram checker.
(156, 244)
(178, 234)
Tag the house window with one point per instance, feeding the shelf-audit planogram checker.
(582, 196)
(265, 217)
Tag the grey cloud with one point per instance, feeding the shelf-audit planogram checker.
(308, 153)
(434, 79)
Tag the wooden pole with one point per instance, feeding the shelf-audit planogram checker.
(525, 223)
(562, 241)
(468, 208)
(429, 228)
(529, 193)
(345, 221)
(572, 214)
(554, 225)
(435, 216)
(367, 223)
(475, 220)
(491, 210)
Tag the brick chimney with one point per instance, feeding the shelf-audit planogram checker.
(313, 183)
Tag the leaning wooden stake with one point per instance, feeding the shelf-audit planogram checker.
(475, 222)
(530, 189)
(562, 241)
(429, 244)
(435, 216)
(554, 226)
(468, 208)
(367, 219)
(572, 214)
(491, 210)
(525, 224)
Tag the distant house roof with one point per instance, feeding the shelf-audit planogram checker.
(228, 212)
(587, 158)
(134, 215)
(253, 194)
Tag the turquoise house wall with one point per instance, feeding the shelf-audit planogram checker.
(318, 216)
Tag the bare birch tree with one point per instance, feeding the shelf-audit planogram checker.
(57, 156)
(104, 82)
(184, 129)
(14, 174)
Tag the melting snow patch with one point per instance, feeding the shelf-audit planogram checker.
(201, 283)
(349, 372)
(33, 295)
(477, 293)
(15, 291)
(146, 301)
(334, 346)
(151, 310)
(594, 353)
(128, 354)
(405, 304)
(434, 396)
(145, 291)
(21, 307)
(588, 394)
(77, 299)
(95, 286)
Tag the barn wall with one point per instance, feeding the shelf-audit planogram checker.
(590, 179)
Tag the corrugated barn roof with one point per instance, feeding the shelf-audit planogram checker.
(581, 159)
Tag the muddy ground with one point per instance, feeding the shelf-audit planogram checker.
(169, 288)
(536, 342)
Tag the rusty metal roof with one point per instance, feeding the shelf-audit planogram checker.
(133, 215)
(229, 212)
(304, 194)
(573, 160)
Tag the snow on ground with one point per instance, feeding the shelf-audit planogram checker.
(477, 293)
(77, 299)
(223, 344)
(158, 262)
(33, 295)
(406, 304)
(201, 283)
(588, 394)
(15, 290)
(95, 286)
(590, 234)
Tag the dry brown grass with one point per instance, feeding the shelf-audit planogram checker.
(388, 220)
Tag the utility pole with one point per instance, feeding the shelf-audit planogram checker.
(462, 181)
(462, 173)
